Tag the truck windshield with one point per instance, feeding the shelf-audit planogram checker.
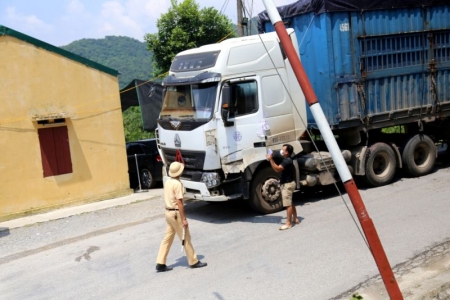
(194, 101)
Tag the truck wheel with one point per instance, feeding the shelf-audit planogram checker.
(419, 155)
(380, 165)
(147, 181)
(266, 193)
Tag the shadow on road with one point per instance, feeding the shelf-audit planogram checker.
(227, 212)
(4, 232)
(240, 211)
(182, 261)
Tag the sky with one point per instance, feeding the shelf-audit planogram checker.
(60, 22)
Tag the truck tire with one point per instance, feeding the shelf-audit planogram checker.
(380, 165)
(265, 192)
(419, 155)
(147, 181)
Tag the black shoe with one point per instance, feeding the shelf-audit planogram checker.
(162, 268)
(199, 264)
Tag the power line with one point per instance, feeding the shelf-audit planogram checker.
(224, 6)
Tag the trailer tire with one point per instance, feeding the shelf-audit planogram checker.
(419, 155)
(265, 192)
(380, 165)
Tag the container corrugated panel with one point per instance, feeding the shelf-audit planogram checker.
(376, 66)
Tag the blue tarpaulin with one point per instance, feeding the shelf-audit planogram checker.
(322, 6)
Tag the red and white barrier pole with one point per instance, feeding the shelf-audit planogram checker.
(366, 222)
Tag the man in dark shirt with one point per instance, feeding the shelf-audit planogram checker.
(287, 182)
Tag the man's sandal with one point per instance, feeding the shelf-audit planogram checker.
(285, 227)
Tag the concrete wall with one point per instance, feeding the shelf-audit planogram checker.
(38, 84)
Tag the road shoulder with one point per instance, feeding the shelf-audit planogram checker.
(425, 276)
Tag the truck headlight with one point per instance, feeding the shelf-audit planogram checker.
(210, 179)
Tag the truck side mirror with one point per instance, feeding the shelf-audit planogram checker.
(225, 110)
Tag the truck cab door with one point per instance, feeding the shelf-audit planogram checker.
(239, 119)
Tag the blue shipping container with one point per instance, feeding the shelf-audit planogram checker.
(373, 65)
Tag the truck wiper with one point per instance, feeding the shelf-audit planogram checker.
(166, 117)
(188, 116)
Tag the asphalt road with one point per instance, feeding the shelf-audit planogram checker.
(111, 253)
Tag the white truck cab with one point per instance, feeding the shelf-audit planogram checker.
(224, 106)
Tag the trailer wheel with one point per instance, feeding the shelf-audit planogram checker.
(380, 165)
(266, 194)
(419, 155)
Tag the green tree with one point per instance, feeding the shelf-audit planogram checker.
(132, 123)
(184, 27)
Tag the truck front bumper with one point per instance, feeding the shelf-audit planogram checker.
(198, 191)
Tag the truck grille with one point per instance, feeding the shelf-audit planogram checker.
(192, 159)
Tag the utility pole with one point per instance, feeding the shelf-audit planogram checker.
(239, 18)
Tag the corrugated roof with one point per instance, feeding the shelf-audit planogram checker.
(38, 43)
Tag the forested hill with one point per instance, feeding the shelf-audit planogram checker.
(127, 55)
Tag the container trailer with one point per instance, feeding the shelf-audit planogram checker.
(381, 71)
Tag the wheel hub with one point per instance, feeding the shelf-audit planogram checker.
(381, 164)
(271, 190)
(421, 155)
(145, 178)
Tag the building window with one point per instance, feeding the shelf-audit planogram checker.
(55, 151)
